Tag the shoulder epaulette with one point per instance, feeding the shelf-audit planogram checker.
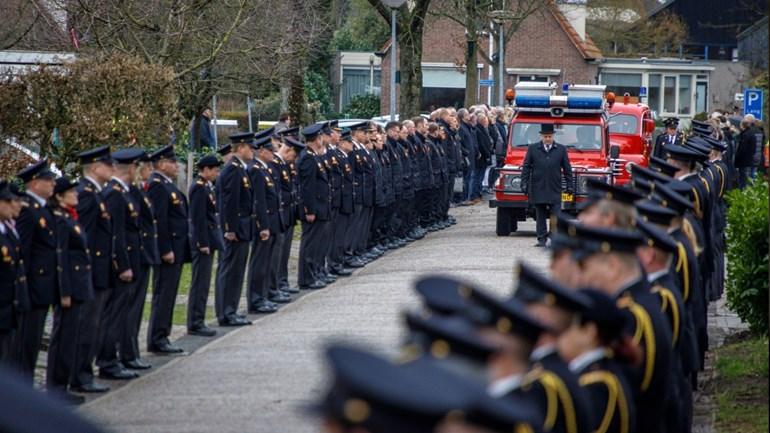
(644, 330)
(615, 398)
(668, 303)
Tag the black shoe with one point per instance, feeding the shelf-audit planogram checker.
(137, 364)
(166, 348)
(68, 399)
(355, 263)
(328, 279)
(202, 331)
(90, 388)
(118, 374)
(280, 297)
(289, 290)
(235, 320)
(343, 272)
(263, 307)
(316, 285)
(540, 244)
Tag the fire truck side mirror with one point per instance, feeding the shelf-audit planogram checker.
(614, 151)
(649, 126)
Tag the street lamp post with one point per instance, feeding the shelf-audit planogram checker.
(393, 5)
(371, 74)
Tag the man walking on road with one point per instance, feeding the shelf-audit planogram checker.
(541, 175)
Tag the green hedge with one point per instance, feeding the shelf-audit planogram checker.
(747, 254)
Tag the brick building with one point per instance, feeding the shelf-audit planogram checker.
(551, 44)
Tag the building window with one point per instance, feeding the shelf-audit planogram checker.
(621, 84)
(685, 94)
(532, 78)
(669, 94)
(653, 93)
(357, 82)
(701, 93)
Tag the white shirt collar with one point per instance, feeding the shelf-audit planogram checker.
(164, 177)
(3, 228)
(120, 181)
(279, 157)
(40, 200)
(584, 360)
(95, 183)
(504, 386)
(542, 351)
(685, 176)
(243, 164)
(262, 163)
(657, 274)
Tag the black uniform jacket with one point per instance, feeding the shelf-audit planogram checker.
(170, 207)
(542, 173)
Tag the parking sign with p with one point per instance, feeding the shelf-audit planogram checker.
(753, 102)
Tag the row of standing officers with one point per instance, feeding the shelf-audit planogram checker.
(89, 249)
(611, 341)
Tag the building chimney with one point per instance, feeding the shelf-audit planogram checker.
(575, 11)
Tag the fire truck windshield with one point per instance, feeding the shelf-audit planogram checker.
(623, 124)
(577, 136)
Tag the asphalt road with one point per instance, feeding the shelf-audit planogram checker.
(257, 378)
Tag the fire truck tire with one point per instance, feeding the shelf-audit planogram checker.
(504, 219)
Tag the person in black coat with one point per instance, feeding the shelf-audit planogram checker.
(744, 154)
(671, 137)
(76, 286)
(37, 235)
(315, 209)
(96, 221)
(470, 152)
(596, 347)
(236, 209)
(266, 210)
(545, 164)
(170, 206)
(13, 301)
(285, 159)
(126, 256)
(205, 239)
(149, 259)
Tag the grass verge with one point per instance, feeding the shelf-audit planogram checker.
(741, 389)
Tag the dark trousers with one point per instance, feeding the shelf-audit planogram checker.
(90, 332)
(230, 273)
(273, 271)
(7, 354)
(542, 214)
(259, 266)
(329, 239)
(202, 264)
(353, 232)
(30, 337)
(164, 289)
(283, 265)
(379, 218)
(114, 323)
(63, 348)
(341, 225)
(312, 234)
(129, 344)
(366, 224)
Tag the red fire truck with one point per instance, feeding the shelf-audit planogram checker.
(581, 118)
(631, 126)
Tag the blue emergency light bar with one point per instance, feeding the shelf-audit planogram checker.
(541, 97)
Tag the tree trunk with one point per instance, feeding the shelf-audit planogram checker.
(410, 58)
(471, 74)
(297, 96)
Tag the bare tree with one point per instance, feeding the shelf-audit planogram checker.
(410, 23)
(227, 46)
(478, 17)
(32, 24)
(624, 29)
